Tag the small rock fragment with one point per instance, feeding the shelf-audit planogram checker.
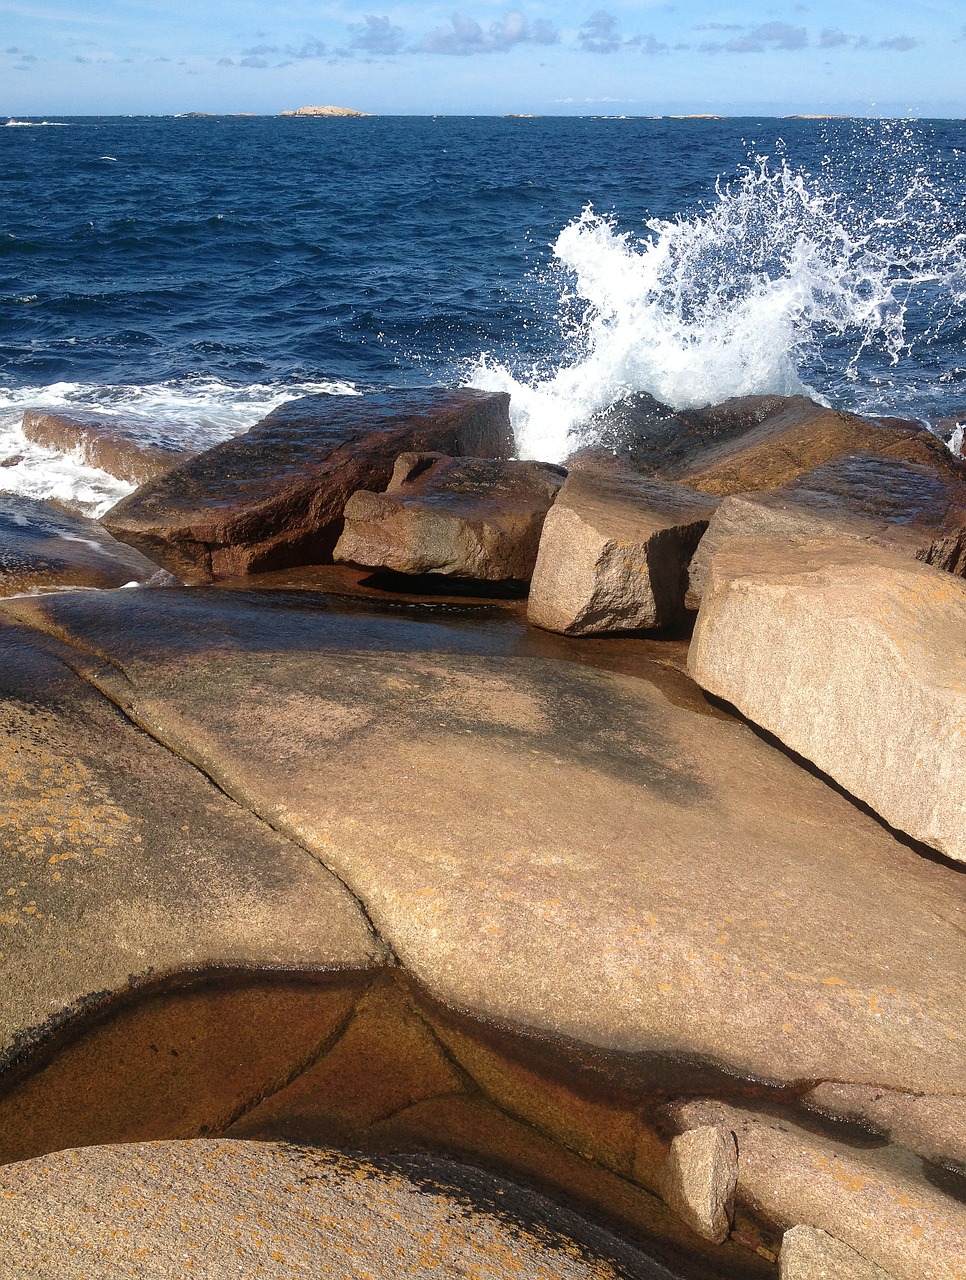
(700, 1178)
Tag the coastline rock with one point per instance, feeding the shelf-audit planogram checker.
(126, 867)
(700, 1178)
(326, 111)
(863, 497)
(796, 436)
(853, 657)
(278, 1211)
(468, 517)
(275, 496)
(125, 447)
(934, 1127)
(873, 1200)
(809, 1254)
(550, 846)
(45, 549)
(614, 553)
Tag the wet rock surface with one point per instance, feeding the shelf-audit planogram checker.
(44, 549)
(614, 553)
(266, 1209)
(130, 449)
(465, 517)
(275, 496)
(123, 863)
(862, 497)
(628, 922)
(854, 658)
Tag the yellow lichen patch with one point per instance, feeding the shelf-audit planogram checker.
(51, 805)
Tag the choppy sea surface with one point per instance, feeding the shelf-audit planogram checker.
(197, 272)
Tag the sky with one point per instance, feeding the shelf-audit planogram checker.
(480, 57)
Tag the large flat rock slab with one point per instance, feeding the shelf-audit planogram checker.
(855, 658)
(129, 448)
(274, 496)
(224, 1209)
(123, 865)
(551, 847)
(45, 549)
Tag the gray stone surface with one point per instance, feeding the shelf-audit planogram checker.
(614, 553)
(853, 657)
(465, 517)
(46, 549)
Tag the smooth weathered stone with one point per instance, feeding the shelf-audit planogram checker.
(132, 449)
(551, 847)
(275, 496)
(465, 517)
(222, 1209)
(913, 509)
(809, 1254)
(45, 549)
(614, 553)
(798, 436)
(853, 657)
(933, 1127)
(874, 1200)
(124, 865)
(700, 1177)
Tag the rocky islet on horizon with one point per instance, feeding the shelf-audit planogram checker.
(351, 857)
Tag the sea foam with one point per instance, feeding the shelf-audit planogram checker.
(770, 283)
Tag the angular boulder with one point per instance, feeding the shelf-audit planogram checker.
(872, 1199)
(275, 496)
(797, 435)
(700, 1178)
(45, 549)
(464, 517)
(132, 449)
(862, 497)
(614, 553)
(225, 1209)
(854, 658)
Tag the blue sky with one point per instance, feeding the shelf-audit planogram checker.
(867, 57)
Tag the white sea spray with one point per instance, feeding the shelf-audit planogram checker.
(778, 274)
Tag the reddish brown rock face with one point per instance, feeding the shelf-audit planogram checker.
(862, 497)
(464, 517)
(128, 449)
(275, 496)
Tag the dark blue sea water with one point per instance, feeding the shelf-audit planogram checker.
(200, 270)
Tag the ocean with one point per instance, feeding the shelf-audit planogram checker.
(196, 272)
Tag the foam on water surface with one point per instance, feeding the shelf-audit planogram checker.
(779, 282)
(191, 413)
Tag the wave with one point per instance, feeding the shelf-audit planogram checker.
(36, 124)
(193, 413)
(778, 279)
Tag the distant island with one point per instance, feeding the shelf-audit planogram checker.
(325, 111)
